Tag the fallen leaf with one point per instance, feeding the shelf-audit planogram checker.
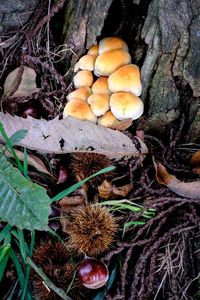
(71, 135)
(181, 188)
(27, 85)
(69, 205)
(108, 191)
(195, 162)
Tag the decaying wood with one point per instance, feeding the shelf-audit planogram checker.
(70, 135)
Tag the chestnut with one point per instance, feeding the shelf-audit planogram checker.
(92, 273)
(30, 111)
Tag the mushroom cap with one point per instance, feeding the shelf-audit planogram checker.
(82, 93)
(108, 62)
(76, 67)
(100, 86)
(112, 43)
(126, 79)
(126, 106)
(86, 62)
(83, 78)
(94, 50)
(107, 120)
(99, 103)
(79, 109)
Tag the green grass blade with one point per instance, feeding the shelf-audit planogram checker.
(128, 224)
(9, 145)
(25, 163)
(4, 251)
(24, 292)
(79, 184)
(4, 232)
(47, 281)
(22, 244)
(12, 292)
(3, 265)
(17, 267)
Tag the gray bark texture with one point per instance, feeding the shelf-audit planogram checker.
(15, 13)
(167, 39)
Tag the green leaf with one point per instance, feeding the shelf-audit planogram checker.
(47, 281)
(23, 204)
(74, 187)
(18, 136)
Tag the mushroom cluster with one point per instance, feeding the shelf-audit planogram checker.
(113, 96)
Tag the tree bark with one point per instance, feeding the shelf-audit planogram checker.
(164, 40)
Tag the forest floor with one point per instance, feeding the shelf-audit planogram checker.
(140, 219)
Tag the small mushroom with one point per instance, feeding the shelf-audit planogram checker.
(86, 62)
(99, 103)
(100, 86)
(108, 62)
(94, 50)
(126, 79)
(107, 120)
(112, 43)
(126, 105)
(82, 93)
(83, 78)
(79, 109)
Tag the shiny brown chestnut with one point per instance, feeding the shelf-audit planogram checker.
(93, 273)
(30, 111)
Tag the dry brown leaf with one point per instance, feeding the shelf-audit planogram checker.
(109, 191)
(195, 162)
(69, 205)
(184, 189)
(27, 84)
(122, 125)
(71, 135)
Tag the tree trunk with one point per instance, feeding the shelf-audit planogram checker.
(164, 40)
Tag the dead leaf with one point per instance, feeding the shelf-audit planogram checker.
(109, 191)
(184, 189)
(71, 135)
(32, 160)
(69, 205)
(195, 162)
(122, 125)
(27, 84)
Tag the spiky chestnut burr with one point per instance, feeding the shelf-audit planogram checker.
(55, 261)
(84, 165)
(92, 230)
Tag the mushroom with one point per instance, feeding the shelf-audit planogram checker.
(126, 105)
(86, 62)
(79, 109)
(112, 43)
(100, 86)
(82, 93)
(83, 78)
(94, 50)
(126, 79)
(110, 61)
(99, 103)
(107, 120)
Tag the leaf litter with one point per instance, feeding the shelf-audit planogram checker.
(148, 254)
